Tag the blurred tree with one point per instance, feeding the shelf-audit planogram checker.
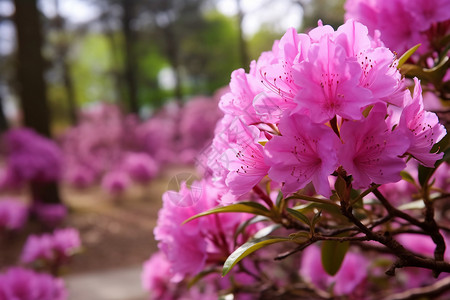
(62, 46)
(242, 43)
(3, 122)
(263, 40)
(331, 12)
(129, 40)
(31, 84)
(212, 53)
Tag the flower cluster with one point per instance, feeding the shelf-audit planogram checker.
(13, 214)
(191, 246)
(116, 149)
(400, 25)
(51, 249)
(29, 157)
(320, 102)
(23, 284)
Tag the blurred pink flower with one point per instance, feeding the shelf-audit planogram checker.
(30, 157)
(50, 214)
(140, 166)
(13, 214)
(55, 248)
(22, 284)
(353, 271)
(115, 182)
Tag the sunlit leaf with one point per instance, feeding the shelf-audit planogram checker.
(418, 204)
(243, 207)
(407, 55)
(407, 177)
(248, 248)
(333, 254)
(266, 231)
(242, 226)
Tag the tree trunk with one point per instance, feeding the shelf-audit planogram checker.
(243, 53)
(130, 55)
(3, 122)
(30, 67)
(31, 84)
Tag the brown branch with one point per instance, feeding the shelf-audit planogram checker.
(427, 292)
(406, 258)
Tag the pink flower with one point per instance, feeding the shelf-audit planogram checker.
(13, 214)
(22, 284)
(30, 157)
(66, 242)
(38, 248)
(53, 248)
(370, 151)
(303, 153)
(329, 83)
(116, 182)
(140, 166)
(422, 128)
(352, 273)
(245, 160)
(191, 246)
(157, 277)
(401, 25)
(50, 214)
(239, 101)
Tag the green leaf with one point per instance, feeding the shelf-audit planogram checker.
(407, 177)
(333, 254)
(300, 236)
(407, 55)
(248, 248)
(425, 173)
(299, 216)
(242, 226)
(244, 207)
(201, 275)
(279, 198)
(266, 231)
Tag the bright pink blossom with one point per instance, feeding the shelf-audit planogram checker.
(245, 160)
(370, 151)
(422, 128)
(329, 83)
(303, 153)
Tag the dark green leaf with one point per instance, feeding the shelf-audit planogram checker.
(333, 254)
(249, 248)
(425, 173)
(244, 207)
(299, 216)
(279, 198)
